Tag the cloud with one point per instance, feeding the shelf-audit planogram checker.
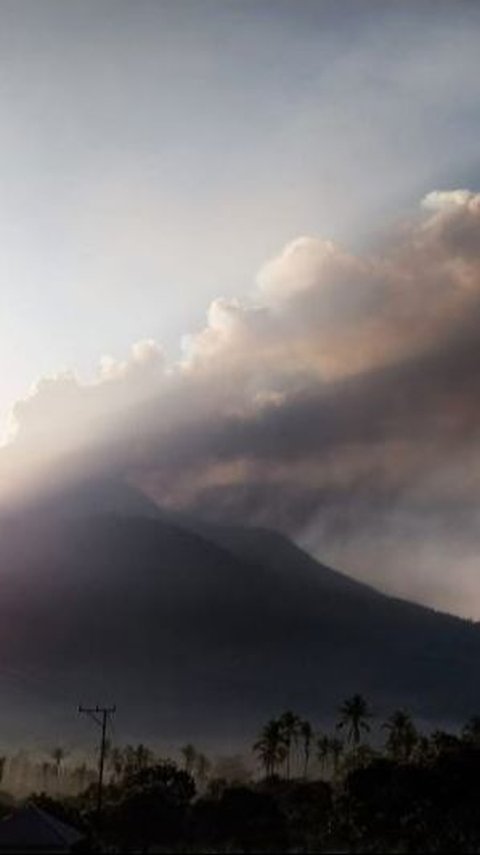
(338, 402)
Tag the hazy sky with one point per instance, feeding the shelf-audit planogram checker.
(157, 156)
(154, 154)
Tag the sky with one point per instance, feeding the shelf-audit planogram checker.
(239, 267)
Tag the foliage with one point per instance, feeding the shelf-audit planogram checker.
(420, 794)
(150, 808)
(354, 715)
(66, 810)
(271, 748)
(290, 728)
(402, 736)
(243, 819)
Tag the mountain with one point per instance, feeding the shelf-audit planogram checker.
(202, 632)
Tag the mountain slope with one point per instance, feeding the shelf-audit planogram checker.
(202, 634)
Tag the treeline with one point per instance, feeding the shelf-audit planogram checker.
(368, 786)
(51, 772)
(287, 745)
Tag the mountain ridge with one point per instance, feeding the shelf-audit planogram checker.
(203, 631)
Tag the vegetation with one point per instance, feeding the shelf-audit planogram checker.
(384, 787)
(354, 715)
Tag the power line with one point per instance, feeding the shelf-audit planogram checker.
(100, 715)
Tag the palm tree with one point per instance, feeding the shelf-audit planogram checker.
(336, 751)
(290, 727)
(306, 733)
(270, 747)
(354, 715)
(58, 754)
(143, 757)
(402, 736)
(189, 757)
(323, 750)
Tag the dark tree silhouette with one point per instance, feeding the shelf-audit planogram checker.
(336, 748)
(290, 728)
(270, 747)
(323, 750)
(189, 753)
(306, 733)
(402, 736)
(151, 807)
(58, 755)
(471, 731)
(354, 715)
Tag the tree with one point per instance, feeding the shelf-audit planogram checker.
(307, 807)
(151, 807)
(270, 747)
(136, 758)
(290, 729)
(81, 777)
(116, 762)
(471, 731)
(306, 733)
(336, 750)
(244, 819)
(189, 753)
(58, 754)
(402, 736)
(442, 742)
(323, 750)
(329, 749)
(143, 757)
(354, 715)
(202, 769)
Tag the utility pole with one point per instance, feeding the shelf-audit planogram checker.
(100, 717)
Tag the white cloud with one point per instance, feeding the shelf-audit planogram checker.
(438, 200)
(343, 378)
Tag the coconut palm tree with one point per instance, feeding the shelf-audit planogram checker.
(323, 750)
(58, 755)
(402, 736)
(270, 747)
(290, 728)
(143, 757)
(306, 733)
(354, 715)
(336, 750)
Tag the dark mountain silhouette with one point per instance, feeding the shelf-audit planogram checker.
(201, 631)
